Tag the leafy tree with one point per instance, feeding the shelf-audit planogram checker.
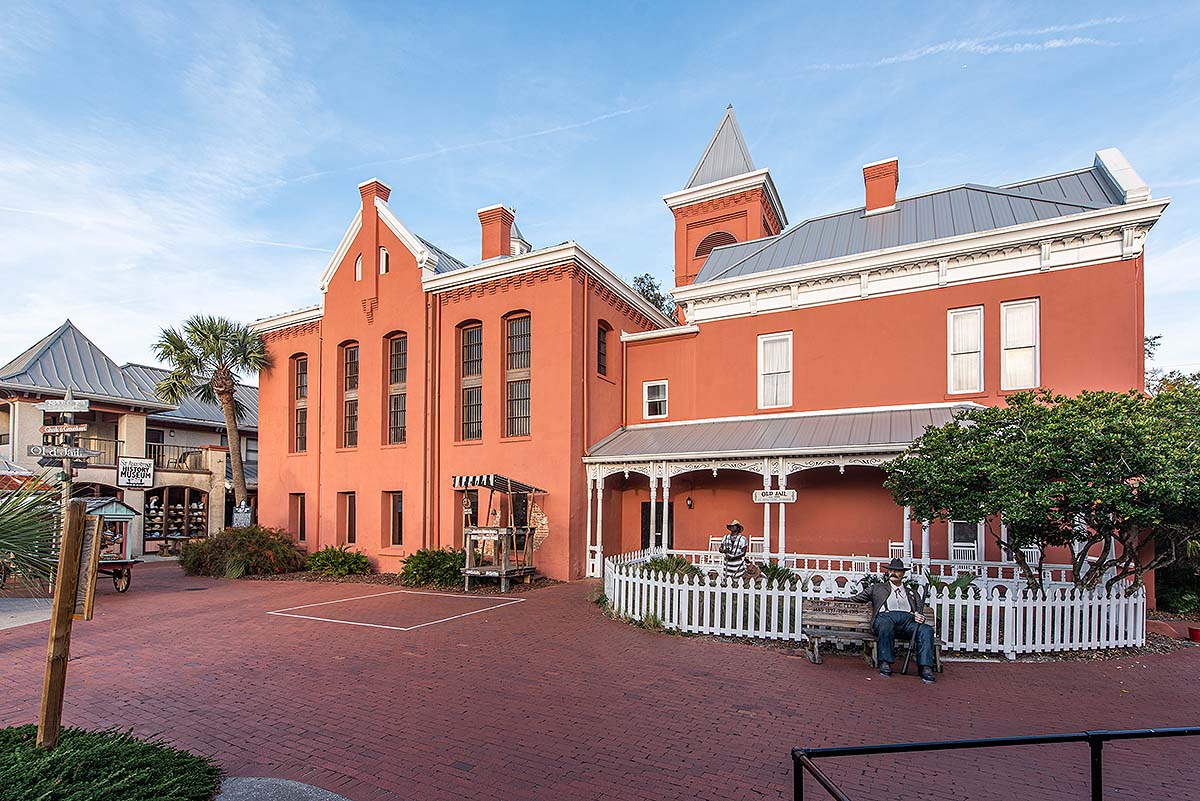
(1118, 473)
(206, 358)
(29, 521)
(650, 289)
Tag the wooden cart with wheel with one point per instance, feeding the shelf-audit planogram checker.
(498, 542)
(116, 561)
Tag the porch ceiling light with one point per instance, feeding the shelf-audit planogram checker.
(689, 503)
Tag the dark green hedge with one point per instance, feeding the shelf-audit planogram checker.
(237, 552)
(101, 766)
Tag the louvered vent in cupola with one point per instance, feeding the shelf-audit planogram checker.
(714, 240)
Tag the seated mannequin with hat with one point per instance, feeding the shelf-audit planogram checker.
(898, 610)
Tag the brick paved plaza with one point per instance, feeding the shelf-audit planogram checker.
(469, 697)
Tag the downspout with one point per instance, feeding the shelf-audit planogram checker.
(320, 428)
(587, 322)
(624, 379)
(437, 418)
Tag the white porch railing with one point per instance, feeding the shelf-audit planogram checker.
(999, 617)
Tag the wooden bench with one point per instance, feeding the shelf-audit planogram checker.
(840, 620)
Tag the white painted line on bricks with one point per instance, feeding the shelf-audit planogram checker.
(285, 612)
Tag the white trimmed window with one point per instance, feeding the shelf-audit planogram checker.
(654, 400)
(1020, 358)
(966, 541)
(965, 346)
(775, 370)
(383, 261)
(358, 268)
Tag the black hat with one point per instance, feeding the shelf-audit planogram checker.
(895, 564)
(735, 527)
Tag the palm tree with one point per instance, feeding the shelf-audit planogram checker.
(205, 359)
(29, 520)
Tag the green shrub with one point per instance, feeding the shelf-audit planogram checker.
(237, 552)
(339, 561)
(675, 565)
(101, 765)
(775, 573)
(431, 566)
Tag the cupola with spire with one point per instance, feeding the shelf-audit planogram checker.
(726, 200)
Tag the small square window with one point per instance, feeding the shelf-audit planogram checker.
(654, 400)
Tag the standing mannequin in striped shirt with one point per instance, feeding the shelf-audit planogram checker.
(734, 546)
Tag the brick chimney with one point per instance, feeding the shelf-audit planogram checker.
(496, 222)
(372, 189)
(881, 179)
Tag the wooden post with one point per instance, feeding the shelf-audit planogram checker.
(58, 650)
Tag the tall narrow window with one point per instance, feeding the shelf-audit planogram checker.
(350, 395)
(296, 509)
(654, 400)
(775, 370)
(301, 378)
(397, 380)
(358, 268)
(348, 511)
(384, 262)
(301, 430)
(1019, 357)
(602, 329)
(516, 377)
(471, 380)
(300, 404)
(396, 517)
(965, 333)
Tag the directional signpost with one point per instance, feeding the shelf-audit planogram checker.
(66, 453)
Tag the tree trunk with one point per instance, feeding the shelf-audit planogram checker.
(225, 395)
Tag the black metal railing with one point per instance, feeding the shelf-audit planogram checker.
(174, 457)
(803, 759)
(109, 449)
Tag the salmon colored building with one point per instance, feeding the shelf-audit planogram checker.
(802, 359)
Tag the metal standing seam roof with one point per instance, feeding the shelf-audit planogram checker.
(192, 409)
(445, 262)
(776, 434)
(725, 156)
(967, 209)
(249, 472)
(65, 358)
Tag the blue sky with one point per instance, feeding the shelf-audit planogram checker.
(158, 160)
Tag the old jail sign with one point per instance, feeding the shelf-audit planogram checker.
(775, 496)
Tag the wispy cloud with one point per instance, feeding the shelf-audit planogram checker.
(441, 151)
(990, 44)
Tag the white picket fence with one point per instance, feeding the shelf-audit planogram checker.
(989, 619)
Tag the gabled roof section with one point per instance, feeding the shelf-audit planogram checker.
(192, 409)
(726, 154)
(66, 359)
(428, 255)
(960, 210)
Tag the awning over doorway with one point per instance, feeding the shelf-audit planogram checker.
(836, 431)
(496, 482)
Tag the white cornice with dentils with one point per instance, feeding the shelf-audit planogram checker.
(1144, 213)
(495, 269)
(287, 319)
(730, 186)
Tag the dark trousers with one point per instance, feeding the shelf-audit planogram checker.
(890, 625)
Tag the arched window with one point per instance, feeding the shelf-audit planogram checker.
(602, 331)
(397, 387)
(470, 379)
(714, 240)
(383, 261)
(517, 362)
(298, 373)
(349, 385)
(358, 268)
